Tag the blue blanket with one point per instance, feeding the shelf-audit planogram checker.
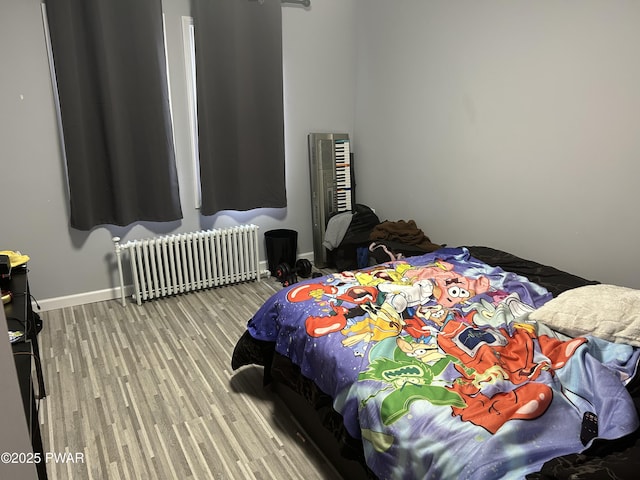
(434, 363)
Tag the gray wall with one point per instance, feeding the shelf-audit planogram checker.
(509, 124)
(319, 71)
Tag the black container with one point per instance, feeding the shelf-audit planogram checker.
(282, 247)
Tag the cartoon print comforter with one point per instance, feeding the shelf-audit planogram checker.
(433, 362)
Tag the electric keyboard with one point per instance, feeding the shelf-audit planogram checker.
(332, 192)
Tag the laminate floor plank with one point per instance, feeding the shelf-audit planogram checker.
(147, 392)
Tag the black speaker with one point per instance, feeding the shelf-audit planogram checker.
(5, 265)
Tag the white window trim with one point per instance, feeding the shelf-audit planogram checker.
(189, 45)
(166, 66)
(56, 97)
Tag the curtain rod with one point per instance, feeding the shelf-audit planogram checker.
(304, 3)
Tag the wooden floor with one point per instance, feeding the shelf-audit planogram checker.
(147, 392)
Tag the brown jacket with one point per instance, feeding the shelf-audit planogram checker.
(403, 232)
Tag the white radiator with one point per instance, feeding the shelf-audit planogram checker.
(185, 262)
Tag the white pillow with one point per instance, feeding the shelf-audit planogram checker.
(606, 311)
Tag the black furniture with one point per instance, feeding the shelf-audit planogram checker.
(26, 353)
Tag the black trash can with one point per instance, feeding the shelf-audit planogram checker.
(282, 247)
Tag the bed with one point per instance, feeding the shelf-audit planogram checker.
(465, 362)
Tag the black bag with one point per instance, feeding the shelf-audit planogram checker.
(345, 256)
(363, 221)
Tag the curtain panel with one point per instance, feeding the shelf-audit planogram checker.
(110, 67)
(239, 87)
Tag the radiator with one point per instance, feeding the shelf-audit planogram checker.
(180, 263)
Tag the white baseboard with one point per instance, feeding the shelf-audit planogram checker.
(114, 293)
(78, 299)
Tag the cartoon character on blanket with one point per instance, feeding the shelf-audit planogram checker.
(434, 334)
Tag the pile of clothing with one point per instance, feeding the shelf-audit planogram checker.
(359, 239)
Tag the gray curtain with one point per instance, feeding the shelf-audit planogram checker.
(111, 72)
(240, 104)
